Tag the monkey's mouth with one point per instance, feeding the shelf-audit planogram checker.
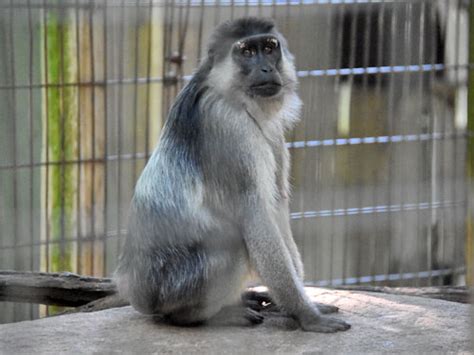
(266, 89)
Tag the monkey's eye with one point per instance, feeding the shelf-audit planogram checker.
(272, 42)
(247, 52)
(267, 50)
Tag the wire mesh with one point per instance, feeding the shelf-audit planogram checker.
(379, 156)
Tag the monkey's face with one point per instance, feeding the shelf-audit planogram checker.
(259, 61)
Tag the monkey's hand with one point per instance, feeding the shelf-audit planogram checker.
(313, 322)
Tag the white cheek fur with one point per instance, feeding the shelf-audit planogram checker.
(221, 76)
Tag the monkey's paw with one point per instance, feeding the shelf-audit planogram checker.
(253, 316)
(326, 308)
(323, 324)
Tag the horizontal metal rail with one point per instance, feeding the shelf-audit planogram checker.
(291, 145)
(93, 238)
(388, 69)
(375, 140)
(294, 215)
(184, 3)
(375, 209)
(386, 277)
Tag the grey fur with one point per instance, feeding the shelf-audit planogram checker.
(211, 206)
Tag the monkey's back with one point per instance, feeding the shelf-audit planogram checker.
(176, 249)
(180, 246)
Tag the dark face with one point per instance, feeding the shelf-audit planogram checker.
(259, 60)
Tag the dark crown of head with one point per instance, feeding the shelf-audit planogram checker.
(230, 31)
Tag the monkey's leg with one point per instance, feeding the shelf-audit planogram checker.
(218, 307)
(218, 302)
(261, 301)
(236, 315)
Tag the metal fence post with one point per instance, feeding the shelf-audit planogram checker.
(470, 157)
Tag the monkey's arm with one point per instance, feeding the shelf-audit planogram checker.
(282, 158)
(271, 258)
(283, 220)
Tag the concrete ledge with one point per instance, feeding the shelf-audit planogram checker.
(380, 323)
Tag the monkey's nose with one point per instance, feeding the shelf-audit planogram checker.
(266, 69)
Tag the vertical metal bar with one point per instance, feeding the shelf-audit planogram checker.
(420, 160)
(442, 180)
(200, 28)
(353, 12)
(165, 92)
(391, 108)
(217, 12)
(14, 128)
(148, 75)
(46, 89)
(46, 143)
(182, 39)
(120, 125)
(454, 155)
(347, 184)
(469, 254)
(404, 227)
(93, 187)
(337, 84)
(303, 183)
(365, 60)
(62, 246)
(135, 91)
(178, 51)
(443, 114)
(345, 248)
(168, 52)
(79, 145)
(378, 248)
(466, 247)
(287, 16)
(14, 144)
(32, 140)
(432, 228)
(326, 82)
(106, 150)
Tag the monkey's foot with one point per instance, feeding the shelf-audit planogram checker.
(326, 308)
(253, 316)
(236, 316)
(323, 324)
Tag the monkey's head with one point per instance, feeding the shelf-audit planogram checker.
(250, 56)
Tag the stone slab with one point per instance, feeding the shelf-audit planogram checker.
(380, 323)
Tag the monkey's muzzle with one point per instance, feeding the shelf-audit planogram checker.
(266, 89)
